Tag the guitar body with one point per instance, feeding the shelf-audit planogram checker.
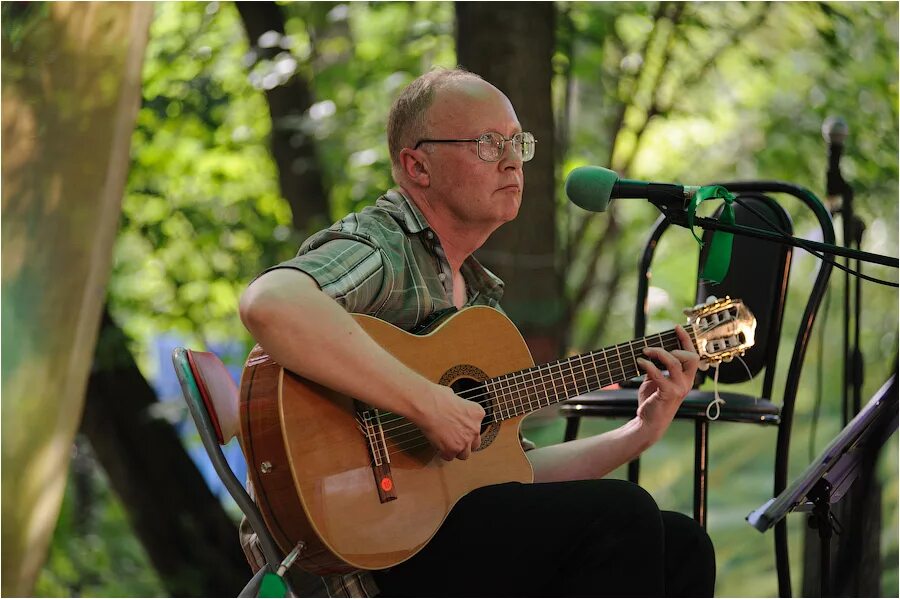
(311, 465)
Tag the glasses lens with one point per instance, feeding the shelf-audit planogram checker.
(490, 147)
(524, 145)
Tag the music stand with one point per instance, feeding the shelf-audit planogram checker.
(830, 475)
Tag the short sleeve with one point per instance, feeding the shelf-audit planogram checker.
(351, 271)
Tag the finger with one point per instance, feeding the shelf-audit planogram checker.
(670, 362)
(653, 373)
(448, 456)
(464, 454)
(685, 357)
(476, 443)
(684, 339)
(690, 362)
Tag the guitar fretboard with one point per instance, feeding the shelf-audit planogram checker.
(525, 391)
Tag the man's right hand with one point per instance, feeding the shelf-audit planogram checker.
(450, 423)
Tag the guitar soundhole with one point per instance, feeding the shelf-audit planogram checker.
(466, 381)
(474, 391)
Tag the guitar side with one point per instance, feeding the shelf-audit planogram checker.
(335, 493)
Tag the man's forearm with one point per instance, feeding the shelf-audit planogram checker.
(592, 457)
(308, 333)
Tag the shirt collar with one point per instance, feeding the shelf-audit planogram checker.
(413, 222)
(404, 210)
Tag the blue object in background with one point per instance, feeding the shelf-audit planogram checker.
(169, 390)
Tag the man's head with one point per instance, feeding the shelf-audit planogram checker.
(454, 176)
(406, 121)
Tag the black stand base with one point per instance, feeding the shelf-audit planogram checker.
(823, 520)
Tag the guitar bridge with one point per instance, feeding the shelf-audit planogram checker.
(370, 424)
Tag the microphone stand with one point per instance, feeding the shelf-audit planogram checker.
(676, 213)
(861, 510)
(852, 232)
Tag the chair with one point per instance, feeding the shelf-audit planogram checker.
(758, 275)
(212, 398)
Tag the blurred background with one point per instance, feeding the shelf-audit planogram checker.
(171, 151)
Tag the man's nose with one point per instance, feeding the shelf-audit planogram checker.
(511, 154)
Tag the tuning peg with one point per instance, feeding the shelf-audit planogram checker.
(711, 300)
(704, 366)
(728, 358)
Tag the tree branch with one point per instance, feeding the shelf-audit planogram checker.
(653, 109)
(612, 286)
(608, 237)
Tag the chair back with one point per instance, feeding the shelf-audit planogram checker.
(212, 398)
(759, 276)
(218, 391)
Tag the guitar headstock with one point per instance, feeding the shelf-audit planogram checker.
(723, 329)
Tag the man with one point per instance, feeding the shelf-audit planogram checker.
(457, 151)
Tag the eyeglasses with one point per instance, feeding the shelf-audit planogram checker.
(491, 145)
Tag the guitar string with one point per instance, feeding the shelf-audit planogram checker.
(416, 441)
(511, 396)
(506, 397)
(525, 380)
(526, 377)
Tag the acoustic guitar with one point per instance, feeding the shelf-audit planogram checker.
(363, 488)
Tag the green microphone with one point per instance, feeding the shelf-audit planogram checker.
(592, 187)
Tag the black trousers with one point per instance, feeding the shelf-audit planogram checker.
(597, 538)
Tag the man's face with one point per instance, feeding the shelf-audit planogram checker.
(473, 190)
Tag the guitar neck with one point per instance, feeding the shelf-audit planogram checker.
(525, 391)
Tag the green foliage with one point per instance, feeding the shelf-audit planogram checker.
(673, 91)
(18, 19)
(362, 54)
(706, 92)
(202, 212)
(703, 92)
(93, 552)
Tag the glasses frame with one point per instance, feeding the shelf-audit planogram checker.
(482, 140)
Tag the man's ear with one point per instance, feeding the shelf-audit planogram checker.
(412, 162)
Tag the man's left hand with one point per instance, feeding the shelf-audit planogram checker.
(660, 396)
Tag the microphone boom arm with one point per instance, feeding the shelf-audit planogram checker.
(676, 214)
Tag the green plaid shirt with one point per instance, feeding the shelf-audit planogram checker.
(387, 262)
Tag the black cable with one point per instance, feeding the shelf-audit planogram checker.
(812, 251)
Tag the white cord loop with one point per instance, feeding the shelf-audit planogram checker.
(717, 402)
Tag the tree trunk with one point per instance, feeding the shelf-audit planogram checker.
(293, 146)
(511, 44)
(71, 90)
(190, 540)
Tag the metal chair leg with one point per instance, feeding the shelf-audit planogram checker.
(634, 470)
(572, 423)
(701, 464)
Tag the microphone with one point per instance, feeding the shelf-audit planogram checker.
(592, 187)
(834, 131)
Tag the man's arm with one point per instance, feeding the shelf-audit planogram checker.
(658, 399)
(307, 332)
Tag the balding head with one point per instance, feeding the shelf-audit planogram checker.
(407, 121)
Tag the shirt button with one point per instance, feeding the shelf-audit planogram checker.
(442, 276)
(429, 235)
